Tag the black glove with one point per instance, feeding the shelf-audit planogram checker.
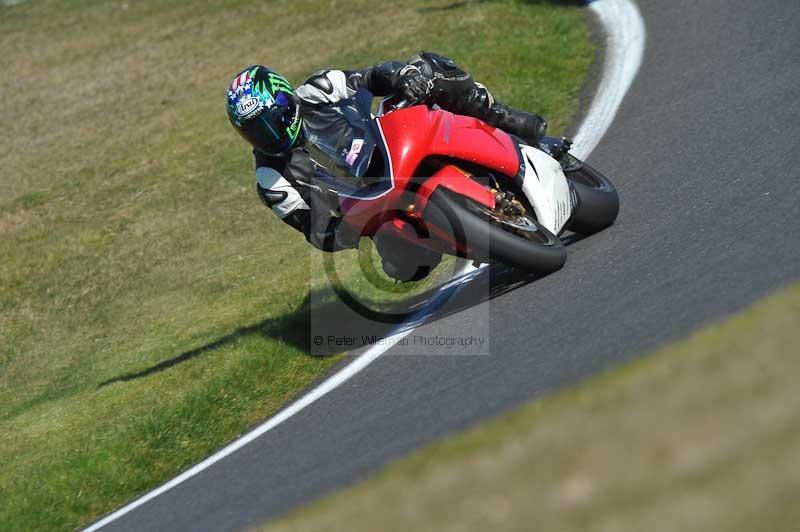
(412, 85)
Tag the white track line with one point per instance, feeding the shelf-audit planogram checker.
(625, 36)
(625, 46)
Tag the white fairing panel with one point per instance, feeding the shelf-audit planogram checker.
(546, 188)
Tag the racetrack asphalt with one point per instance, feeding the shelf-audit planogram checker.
(704, 150)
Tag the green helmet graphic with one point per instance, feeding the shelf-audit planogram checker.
(263, 108)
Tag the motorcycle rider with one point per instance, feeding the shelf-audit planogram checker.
(263, 107)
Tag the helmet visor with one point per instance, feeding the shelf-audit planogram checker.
(269, 131)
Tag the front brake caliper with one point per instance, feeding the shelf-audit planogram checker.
(507, 204)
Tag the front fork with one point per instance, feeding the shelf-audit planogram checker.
(556, 147)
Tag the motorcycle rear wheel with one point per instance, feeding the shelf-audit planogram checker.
(518, 241)
(598, 204)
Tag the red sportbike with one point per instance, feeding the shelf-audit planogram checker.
(455, 185)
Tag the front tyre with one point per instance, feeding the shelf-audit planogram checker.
(598, 201)
(518, 241)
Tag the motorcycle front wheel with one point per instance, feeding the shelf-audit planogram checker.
(485, 234)
(598, 203)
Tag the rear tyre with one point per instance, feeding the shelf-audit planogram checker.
(598, 203)
(517, 241)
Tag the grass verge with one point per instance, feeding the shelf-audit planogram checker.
(703, 435)
(150, 308)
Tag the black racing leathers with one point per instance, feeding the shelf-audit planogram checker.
(285, 184)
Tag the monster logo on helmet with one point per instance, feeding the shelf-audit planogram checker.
(263, 108)
(279, 83)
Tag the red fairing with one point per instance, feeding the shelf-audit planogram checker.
(417, 132)
(453, 178)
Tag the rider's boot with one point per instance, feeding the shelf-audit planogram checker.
(530, 127)
(480, 103)
(455, 90)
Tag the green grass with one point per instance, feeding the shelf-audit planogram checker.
(703, 435)
(150, 308)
